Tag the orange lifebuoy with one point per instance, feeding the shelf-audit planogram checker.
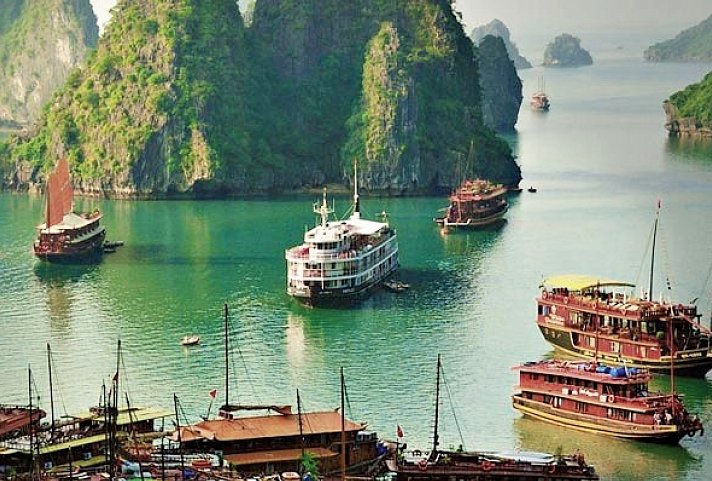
(487, 465)
(611, 398)
(423, 464)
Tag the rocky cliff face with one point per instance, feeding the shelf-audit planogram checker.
(157, 109)
(41, 41)
(689, 111)
(691, 45)
(497, 28)
(170, 105)
(566, 51)
(501, 86)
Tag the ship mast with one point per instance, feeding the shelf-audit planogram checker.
(343, 429)
(227, 365)
(323, 210)
(437, 411)
(51, 390)
(652, 255)
(357, 204)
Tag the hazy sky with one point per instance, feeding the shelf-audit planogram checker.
(532, 21)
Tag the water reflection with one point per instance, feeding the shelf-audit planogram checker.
(697, 150)
(626, 460)
(58, 282)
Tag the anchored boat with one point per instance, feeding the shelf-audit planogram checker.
(341, 261)
(441, 465)
(67, 236)
(475, 203)
(614, 401)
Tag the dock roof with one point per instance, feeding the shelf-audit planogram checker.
(268, 426)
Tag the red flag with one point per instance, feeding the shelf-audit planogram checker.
(399, 431)
(213, 393)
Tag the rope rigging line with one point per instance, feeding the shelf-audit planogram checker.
(58, 385)
(642, 263)
(452, 407)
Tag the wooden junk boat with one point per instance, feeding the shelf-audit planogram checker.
(475, 203)
(446, 465)
(592, 397)
(66, 236)
(341, 261)
(595, 318)
(540, 100)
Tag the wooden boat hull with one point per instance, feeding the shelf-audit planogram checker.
(89, 251)
(667, 434)
(693, 364)
(476, 471)
(471, 223)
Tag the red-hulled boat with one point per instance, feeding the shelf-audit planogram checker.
(461, 465)
(601, 319)
(475, 203)
(66, 236)
(16, 420)
(591, 397)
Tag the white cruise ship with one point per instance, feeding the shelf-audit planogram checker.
(341, 261)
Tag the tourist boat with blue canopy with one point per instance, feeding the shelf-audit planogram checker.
(593, 397)
(603, 319)
(341, 260)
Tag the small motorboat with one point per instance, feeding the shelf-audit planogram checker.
(190, 340)
(531, 189)
(396, 286)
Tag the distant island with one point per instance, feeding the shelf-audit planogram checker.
(497, 28)
(566, 51)
(691, 45)
(689, 111)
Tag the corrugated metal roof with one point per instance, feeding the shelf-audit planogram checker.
(270, 426)
(276, 456)
(578, 282)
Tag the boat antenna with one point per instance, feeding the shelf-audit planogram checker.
(652, 255)
(51, 390)
(343, 427)
(323, 210)
(357, 203)
(437, 411)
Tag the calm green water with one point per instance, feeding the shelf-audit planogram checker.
(600, 159)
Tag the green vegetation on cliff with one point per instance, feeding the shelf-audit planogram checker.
(695, 102)
(159, 104)
(691, 45)
(179, 96)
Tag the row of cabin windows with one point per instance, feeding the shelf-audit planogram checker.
(611, 413)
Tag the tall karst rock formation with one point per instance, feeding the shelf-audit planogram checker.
(41, 41)
(182, 98)
(158, 108)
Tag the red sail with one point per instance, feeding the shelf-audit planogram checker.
(59, 194)
(66, 185)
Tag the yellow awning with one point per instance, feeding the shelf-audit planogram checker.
(578, 282)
